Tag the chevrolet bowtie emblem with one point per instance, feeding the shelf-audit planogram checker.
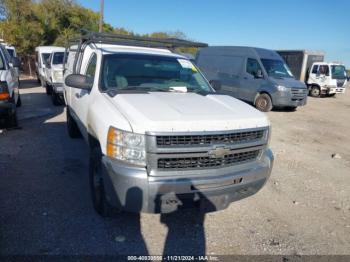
(219, 152)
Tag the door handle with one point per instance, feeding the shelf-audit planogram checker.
(78, 95)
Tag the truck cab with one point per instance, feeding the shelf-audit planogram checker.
(326, 79)
(160, 137)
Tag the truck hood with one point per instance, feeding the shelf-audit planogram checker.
(186, 112)
(288, 82)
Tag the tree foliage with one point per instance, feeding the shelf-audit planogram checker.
(28, 23)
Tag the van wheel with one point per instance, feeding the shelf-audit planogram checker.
(48, 89)
(263, 102)
(72, 127)
(12, 120)
(315, 91)
(97, 188)
(56, 101)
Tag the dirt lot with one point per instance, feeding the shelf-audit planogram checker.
(304, 208)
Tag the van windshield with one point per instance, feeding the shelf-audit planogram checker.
(151, 73)
(58, 58)
(277, 68)
(338, 72)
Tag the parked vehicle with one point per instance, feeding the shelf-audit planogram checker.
(255, 75)
(54, 76)
(9, 92)
(12, 52)
(320, 77)
(160, 137)
(42, 54)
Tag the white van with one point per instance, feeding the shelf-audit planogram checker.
(42, 54)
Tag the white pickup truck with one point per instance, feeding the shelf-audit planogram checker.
(160, 137)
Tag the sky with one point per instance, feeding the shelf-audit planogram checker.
(320, 25)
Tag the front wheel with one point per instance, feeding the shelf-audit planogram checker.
(263, 102)
(48, 89)
(56, 101)
(97, 188)
(315, 91)
(11, 120)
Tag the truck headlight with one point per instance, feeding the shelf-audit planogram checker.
(58, 76)
(282, 88)
(126, 146)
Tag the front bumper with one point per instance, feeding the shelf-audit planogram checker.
(132, 189)
(333, 90)
(288, 99)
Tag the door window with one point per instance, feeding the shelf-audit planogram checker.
(91, 68)
(314, 69)
(323, 70)
(253, 66)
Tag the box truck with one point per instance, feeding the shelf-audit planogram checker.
(321, 78)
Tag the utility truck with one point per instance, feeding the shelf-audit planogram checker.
(160, 137)
(322, 78)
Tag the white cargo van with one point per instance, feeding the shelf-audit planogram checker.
(42, 54)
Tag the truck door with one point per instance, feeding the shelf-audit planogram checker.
(80, 99)
(251, 80)
(318, 75)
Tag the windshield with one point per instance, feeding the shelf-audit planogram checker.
(338, 72)
(276, 68)
(45, 57)
(58, 58)
(151, 73)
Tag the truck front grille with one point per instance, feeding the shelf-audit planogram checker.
(198, 140)
(299, 94)
(181, 163)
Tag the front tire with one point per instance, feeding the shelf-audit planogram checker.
(72, 127)
(315, 91)
(12, 120)
(263, 102)
(97, 188)
(48, 89)
(56, 101)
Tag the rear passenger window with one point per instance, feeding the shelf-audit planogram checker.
(91, 68)
(314, 69)
(252, 66)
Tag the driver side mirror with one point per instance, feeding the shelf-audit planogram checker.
(79, 81)
(259, 74)
(15, 62)
(216, 84)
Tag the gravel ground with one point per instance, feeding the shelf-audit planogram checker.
(304, 208)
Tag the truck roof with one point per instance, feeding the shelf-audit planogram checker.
(304, 51)
(49, 49)
(239, 50)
